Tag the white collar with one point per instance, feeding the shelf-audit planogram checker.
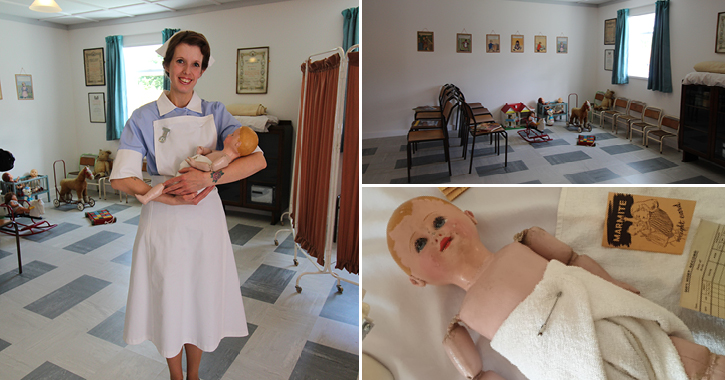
(165, 106)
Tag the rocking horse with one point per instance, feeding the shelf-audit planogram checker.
(80, 186)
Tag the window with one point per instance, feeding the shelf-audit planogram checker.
(640, 44)
(144, 75)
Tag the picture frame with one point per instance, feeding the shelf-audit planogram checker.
(517, 43)
(493, 43)
(539, 44)
(94, 67)
(24, 84)
(425, 41)
(608, 59)
(562, 45)
(610, 30)
(97, 107)
(252, 70)
(720, 34)
(464, 43)
(1, 91)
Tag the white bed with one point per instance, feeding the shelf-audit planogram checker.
(410, 322)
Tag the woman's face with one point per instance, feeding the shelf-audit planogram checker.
(185, 68)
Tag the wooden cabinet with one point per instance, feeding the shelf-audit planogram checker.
(269, 189)
(702, 123)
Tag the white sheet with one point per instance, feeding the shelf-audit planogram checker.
(410, 322)
(707, 79)
(258, 123)
(580, 223)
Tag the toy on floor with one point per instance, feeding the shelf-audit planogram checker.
(102, 168)
(551, 312)
(534, 131)
(587, 140)
(549, 117)
(579, 118)
(78, 184)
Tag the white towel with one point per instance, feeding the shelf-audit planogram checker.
(580, 224)
(596, 331)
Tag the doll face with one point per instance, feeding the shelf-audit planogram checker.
(434, 240)
(33, 173)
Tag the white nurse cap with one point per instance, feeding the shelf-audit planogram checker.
(162, 50)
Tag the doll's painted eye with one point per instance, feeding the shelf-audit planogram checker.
(439, 222)
(420, 244)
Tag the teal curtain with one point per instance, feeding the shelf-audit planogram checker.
(621, 49)
(350, 28)
(165, 35)
(116, 77)
(660, 71)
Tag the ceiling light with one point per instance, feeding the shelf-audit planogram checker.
(46, 6)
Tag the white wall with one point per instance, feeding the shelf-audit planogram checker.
(692, 40)
(56, 124)
(42, 130)
(397, 77)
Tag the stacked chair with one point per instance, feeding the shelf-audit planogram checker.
(479, 125)
(598, 98)
(431, 128)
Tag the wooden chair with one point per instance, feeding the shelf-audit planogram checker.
(634, 114)
(650, 119)
(417, 136)
(90, 161)
(479, 128)
(660, 134)
(598, 98)
(427, 113)
(620, 106)
(439, 123)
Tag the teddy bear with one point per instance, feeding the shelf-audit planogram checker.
(103, 164)
(606, 102)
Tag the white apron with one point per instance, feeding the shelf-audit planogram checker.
(184, 285)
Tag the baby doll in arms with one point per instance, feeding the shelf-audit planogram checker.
(553, 313)
(242, 142)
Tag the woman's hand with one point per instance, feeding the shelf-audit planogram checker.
(192, 199)
(188, 183)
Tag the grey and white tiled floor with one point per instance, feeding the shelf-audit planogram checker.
(614, 160)
(63, 317)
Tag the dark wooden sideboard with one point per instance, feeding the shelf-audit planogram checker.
(269, 189)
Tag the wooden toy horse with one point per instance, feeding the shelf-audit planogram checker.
(78, 184)
(579, 116)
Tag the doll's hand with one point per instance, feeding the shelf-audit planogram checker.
(625, 286)
(193, 199)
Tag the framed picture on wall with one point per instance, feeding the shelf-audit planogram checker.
(425, 41)
(493, 43)
(252, 70)
(24, 83)
(1, 92)
(93, 67)
(610, 29)
(517, 43)
(539, 44)
(562, 45)
(608, 59)
(720, 35)
(463, 43)
(97, 107)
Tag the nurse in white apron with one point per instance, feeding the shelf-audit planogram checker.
(184, 291)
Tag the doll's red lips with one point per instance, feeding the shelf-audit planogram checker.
(445, 243)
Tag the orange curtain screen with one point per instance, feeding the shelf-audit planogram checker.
(347, 234)
(313, 154)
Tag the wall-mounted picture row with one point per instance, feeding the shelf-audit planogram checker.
(464, 43)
